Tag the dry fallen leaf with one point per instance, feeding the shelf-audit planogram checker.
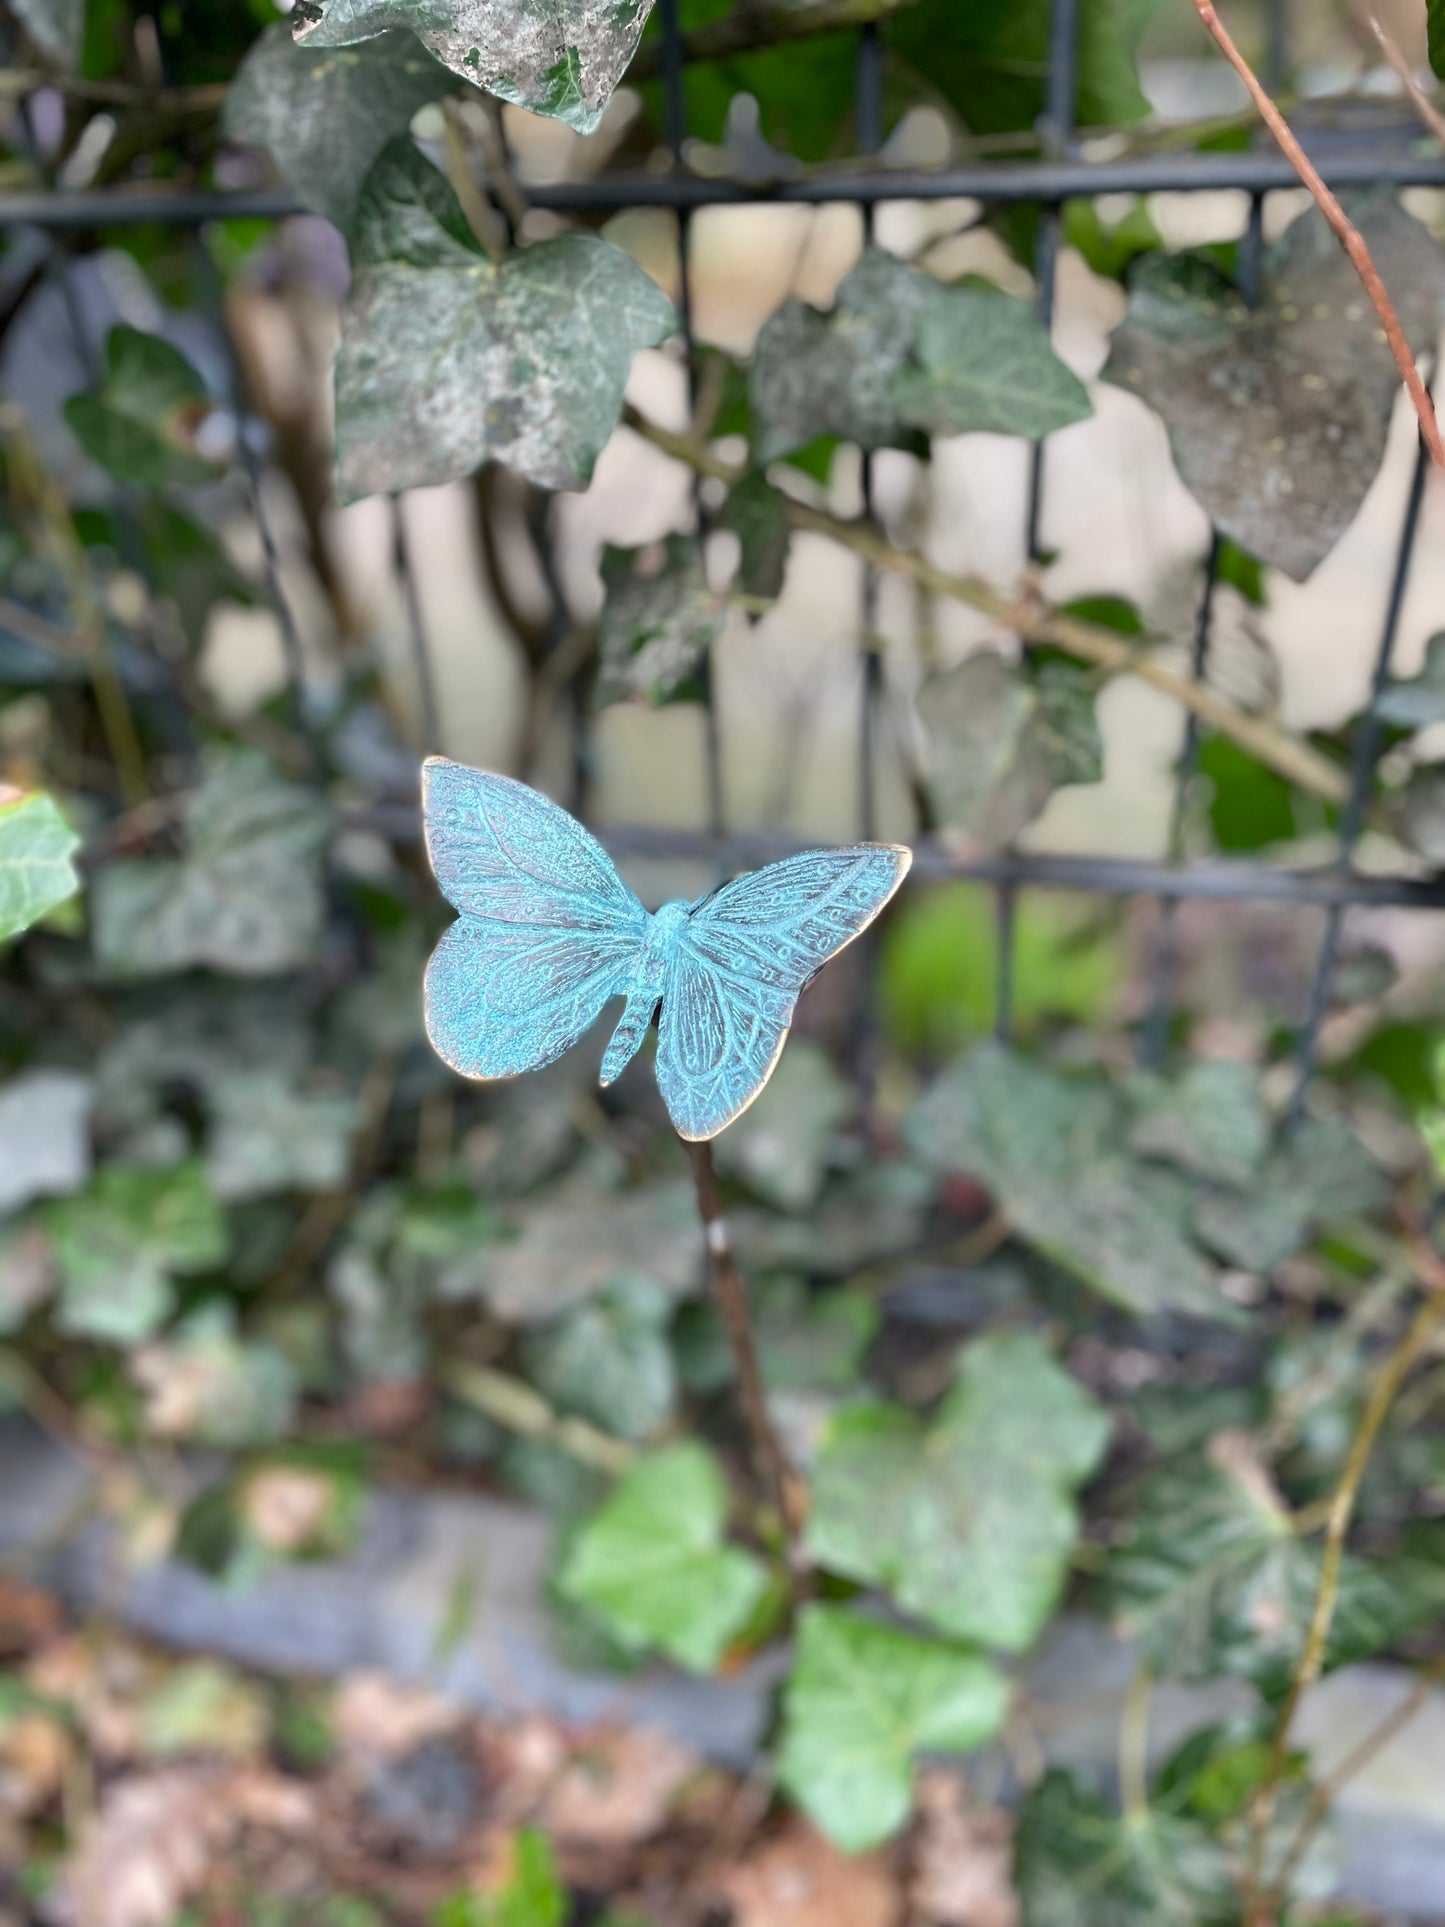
(150, 1846)
(800, 1879)
(381, 1718)
(28, 1615)
(962, 1859)
(618, 1787)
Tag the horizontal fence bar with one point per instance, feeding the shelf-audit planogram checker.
(997, 183)
(1212, 880)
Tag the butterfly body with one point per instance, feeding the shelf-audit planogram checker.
(549, 933)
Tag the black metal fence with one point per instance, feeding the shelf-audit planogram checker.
(1059, 173)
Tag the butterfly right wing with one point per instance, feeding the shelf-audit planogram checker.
(547, 934)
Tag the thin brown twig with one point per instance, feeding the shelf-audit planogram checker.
(1381, 1396)
(1429, 114)
(1347, 234)
(777, 1475)
(1035, 622)
(1355, 1761)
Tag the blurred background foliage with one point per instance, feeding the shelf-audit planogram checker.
(1094, 1318)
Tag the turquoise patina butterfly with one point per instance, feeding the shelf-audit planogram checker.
(549, 932)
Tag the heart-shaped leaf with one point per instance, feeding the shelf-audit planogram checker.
(141, 425)
(36, 872)
(449, 360)
(861, 1701)
(654, 1565)
(980, 1518)
(558, 57)
(326, 117)
(1277, 415)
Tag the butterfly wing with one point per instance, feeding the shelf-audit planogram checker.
(547, 930)
(742, 960)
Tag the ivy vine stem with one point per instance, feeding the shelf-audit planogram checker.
(1036, 623)
(1345, 231)
(1381, 1396)
(777, 1475)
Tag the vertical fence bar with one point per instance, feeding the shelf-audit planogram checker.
(1055, 130)
(868, 118)
(674, 90)
(1364, 750)
(421, 655)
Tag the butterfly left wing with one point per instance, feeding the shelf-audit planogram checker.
(548, 929)
(744, 956)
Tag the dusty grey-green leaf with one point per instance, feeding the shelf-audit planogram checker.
(1001, 741)
(982, 363)
(570, 1244)
(658, 622)
(861, 1701)
(36, 871)
(326, 116)
(1210, 1121)
(44, 1136)
(1277, 415)
(780, 1145)
(1422, 811)
(1321, 1175)
(1049, 1148)
(1413, 702)
(245, 898)
(1079, 1864)
(268, 1135)
(980, 1516)
(1212, 1577)
(449, 360)
(557, 57)
(816, 373)
(609, 1361)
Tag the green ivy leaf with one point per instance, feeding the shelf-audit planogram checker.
(557, 57)
(806, 1341)
(1277, 415)
(1077, 1864)
(246, 898)
(861, 1701)
(653, 1563)
(325, 117)
(569, 1243)
(532, 1895)
(1110, 247)
(36, 872)
(141, 426)
(658, 622)
(1212, 1578)
(269, 1136)
(1001, 741)
(757, 514)
(980, 1518)
(780, 1146)
(609, 1361)
(990, 59)
(119, 1245)
(56, 26)
(1210, 1121)
(449, 360)
(1048, 1149)
(983, 363)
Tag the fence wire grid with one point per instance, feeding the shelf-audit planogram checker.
(1059, 173)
